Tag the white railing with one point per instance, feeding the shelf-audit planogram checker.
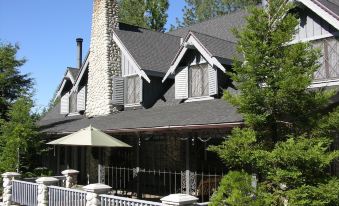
(25, 193)
(63, 196)
(110, 200)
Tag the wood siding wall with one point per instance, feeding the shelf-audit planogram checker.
(312, 26)
(126, 67)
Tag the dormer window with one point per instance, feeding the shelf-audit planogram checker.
(198, 80)
(133, 90)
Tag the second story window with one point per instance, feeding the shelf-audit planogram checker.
(133, 90)
(198, 80)
(329, 60)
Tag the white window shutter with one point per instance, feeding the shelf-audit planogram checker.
(64, 104)
(140, 89)
(118, 90)
(81, 99)
(181, 83)
(213, 80)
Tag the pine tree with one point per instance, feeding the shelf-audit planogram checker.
(19, 144)
(151, 14)
(157, 14)
(12, 84)
(196, 11)
(133, 12)
(289, 129)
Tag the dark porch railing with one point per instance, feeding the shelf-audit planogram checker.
(154, 184)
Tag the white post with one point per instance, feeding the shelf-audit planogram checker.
(71, 177)
(179, 199)
(93, 192)
(44, 182)
(8, 177)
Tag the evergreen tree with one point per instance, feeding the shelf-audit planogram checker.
(19, 144)
(151, 14)
(133, 12)
(288, 129)
(12, 84)
(196, 11)
(157, 14)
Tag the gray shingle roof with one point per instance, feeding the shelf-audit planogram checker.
(74, 72)
(152, 50)
(332, 5)
(194, 113)
(219, 27)
(217, 47)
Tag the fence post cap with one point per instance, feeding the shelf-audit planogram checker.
(70, 172)
(10, 174)
(97, 188)
(179, 199)
(47, 180)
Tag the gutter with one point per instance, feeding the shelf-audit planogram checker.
(167, 128)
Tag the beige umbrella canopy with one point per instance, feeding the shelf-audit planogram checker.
(89, 136)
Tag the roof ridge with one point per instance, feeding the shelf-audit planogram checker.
(150, 30)
(213, 36)
(211, 19)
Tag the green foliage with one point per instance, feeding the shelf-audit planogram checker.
(12, 84)
(289, 129)
(156, 17)
(235, 189)
(196, 11)
(18, 136)
(151, 14)
(133, 12)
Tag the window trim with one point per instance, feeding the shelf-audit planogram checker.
(190, 79)
(135, 104)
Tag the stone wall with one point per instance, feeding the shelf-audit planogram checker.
(104, 58)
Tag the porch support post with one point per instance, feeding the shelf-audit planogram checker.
(93, 193)
(179, 200)
(8, 177)
(71, 177)
(138, 165)
(44, 182)
(58, 158)
(188, 166)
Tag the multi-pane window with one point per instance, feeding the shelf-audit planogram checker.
(198, 81)
(133, 89)
(330, 59)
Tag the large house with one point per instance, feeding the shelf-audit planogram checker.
(162, 94)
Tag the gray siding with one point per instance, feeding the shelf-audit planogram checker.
(126, 67)
(312, 26)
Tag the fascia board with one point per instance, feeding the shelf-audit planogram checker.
(321, 12)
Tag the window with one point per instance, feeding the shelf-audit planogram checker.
(198, 80)
(192, 82)
(329, 61)
(133, 89)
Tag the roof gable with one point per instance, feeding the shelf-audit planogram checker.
(207, 48)
(152, 51)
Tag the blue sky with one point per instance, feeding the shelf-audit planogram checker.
(46, 33)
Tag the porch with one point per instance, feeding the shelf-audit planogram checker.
(43, 192)
(158, 164)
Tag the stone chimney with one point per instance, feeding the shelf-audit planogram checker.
(104, 58)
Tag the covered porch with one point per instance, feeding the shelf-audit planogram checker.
(161, 161)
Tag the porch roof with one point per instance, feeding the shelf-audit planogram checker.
(207, 114)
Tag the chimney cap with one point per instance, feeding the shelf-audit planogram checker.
(79, 40)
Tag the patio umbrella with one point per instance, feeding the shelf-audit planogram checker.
(89, 136)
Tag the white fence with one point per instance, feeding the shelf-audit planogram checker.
(25, 193)
(110, 200)
(63, 196)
